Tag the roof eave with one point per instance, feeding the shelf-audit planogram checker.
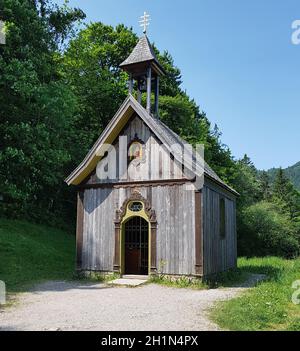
(155, 64)
(74, 175)
(223, 185)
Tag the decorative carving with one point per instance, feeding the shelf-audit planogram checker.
(136, 196)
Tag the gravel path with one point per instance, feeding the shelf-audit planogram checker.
(77, 306)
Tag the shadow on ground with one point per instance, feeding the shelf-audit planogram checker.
(61, 286)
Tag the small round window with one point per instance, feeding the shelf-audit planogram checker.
(136, 206)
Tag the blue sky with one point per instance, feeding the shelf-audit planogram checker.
(237, 62)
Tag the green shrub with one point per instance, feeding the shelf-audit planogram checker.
(265, 231)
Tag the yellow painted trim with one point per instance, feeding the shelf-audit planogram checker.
(128, 215)
(108, 136)
(94, 161)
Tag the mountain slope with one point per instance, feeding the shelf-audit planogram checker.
(293, 173)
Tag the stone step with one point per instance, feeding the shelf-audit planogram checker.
(128, 282)
(135, 276)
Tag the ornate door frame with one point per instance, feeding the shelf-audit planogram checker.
(121, 216)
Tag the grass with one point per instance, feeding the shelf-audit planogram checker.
(32, 253)
(96, 277)
(178, 283)
(269, 305)
(226, 279)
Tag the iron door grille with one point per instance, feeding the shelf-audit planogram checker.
(136, 238)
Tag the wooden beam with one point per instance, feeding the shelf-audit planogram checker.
(157, 97)
(117, 255)
(139, 94)
(198, 234)
(149, 78)
(158, 182)
(130, 83)
(153, 268)
(79, 229)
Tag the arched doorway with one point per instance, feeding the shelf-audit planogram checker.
(135, 206)
(136, 235)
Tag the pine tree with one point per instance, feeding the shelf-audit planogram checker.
(286, 195)
(265, 185)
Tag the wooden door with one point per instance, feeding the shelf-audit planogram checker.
(136, 246)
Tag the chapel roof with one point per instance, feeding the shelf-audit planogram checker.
(162, 132)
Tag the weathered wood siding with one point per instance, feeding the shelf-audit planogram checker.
(219, 254)
(98, 230)
(174, 207)
(157, 163)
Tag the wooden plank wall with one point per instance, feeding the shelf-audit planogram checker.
(175, 210)
(79, 229)
(98, 229)
(219, 254)
(157, 164)
(174, 207)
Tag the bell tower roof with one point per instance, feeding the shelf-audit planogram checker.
(142, 56)
(144, 70)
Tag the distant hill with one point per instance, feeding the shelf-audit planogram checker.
(293, 173)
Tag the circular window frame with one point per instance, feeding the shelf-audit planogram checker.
(131, 203)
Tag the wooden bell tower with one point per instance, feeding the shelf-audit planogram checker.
(144, 70)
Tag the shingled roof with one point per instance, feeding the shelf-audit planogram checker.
(176, 139)
(142, 53)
